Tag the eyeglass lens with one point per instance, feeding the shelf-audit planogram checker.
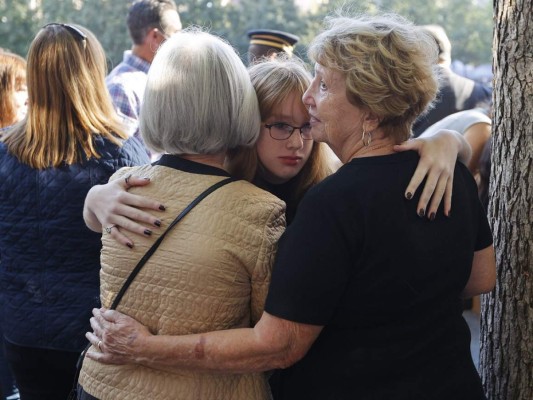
(282, 131)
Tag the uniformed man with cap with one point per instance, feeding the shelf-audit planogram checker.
(268, 43)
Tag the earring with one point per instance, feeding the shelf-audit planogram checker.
(369, 140)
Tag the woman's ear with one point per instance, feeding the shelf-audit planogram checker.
(371, 121)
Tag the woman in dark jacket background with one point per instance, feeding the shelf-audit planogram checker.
(70, 140)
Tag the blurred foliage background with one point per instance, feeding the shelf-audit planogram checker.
(469, 23)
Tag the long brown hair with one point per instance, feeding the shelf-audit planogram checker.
(12, 78)
(68, 102)
(274, 80)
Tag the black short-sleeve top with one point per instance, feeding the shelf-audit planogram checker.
(385, 284)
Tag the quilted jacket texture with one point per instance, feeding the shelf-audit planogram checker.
(210, 273)
(49, 260)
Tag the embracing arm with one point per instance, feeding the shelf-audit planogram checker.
(111, 204)
(438, 155)
(477, 136)
(272, 343)
(483, 275)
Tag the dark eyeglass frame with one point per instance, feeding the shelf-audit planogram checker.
(293, 128)
(77, 33)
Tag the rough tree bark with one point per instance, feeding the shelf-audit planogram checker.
(507, 313)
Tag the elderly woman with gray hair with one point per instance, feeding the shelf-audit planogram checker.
(213, 269)
(365, 298)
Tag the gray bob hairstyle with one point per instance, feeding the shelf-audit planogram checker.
(198, 98)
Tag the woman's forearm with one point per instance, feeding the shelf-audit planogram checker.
(234, 351)
(272, 343)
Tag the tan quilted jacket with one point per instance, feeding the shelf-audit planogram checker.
(210, 273)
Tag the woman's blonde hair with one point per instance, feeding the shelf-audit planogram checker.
(68, 102)
(199, 98)
(274, 80)
(389, 64)
(12, 78)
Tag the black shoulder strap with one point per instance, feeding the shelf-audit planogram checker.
(154, 247)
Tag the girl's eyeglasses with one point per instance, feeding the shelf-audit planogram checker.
(283, 131)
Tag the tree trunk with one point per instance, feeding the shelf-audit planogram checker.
(506, 359)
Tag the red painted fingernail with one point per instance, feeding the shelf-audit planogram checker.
(421, 212)
(130, 245)
(162, 207)
(409, 195)
(432, 216)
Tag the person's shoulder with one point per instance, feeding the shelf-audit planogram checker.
(459, 121)
(476, 115)
(7, 160)
(124, 74)
(139, 170)
(10, 160)
(120, 76)
(358, 177)
(117, 71)
(129, 151)
(133, 149)
(331, 189)
(253, 194)
(105, 146)
(252, 202)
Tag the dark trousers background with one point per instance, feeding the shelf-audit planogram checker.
(7, 382)
(41, 374)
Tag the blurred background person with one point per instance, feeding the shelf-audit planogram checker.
(268, 43)
(70, 140)
(13, 90)
(213, 269)
(150, 23)
(13, 106)
(456, 93)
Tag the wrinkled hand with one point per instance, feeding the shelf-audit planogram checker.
(438, 155)
(121, 338)
(112, 205)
